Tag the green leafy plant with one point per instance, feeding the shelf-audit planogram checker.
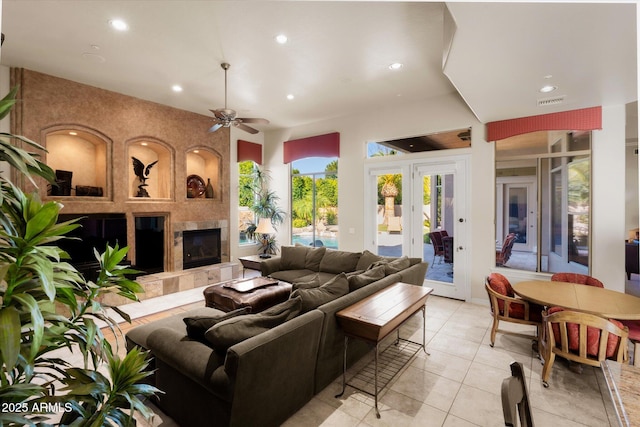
(47, 308)
(265, 204)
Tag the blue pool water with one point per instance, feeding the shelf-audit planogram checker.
(329, 242)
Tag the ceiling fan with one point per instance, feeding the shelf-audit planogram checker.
(225, 117)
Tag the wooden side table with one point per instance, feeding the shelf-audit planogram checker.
(374, 318)
(252, 262)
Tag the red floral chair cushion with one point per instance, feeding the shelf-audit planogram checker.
(581, 279)
(593, 336)
(634, 329)
(500, 284)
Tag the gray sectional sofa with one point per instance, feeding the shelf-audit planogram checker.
(283, 356)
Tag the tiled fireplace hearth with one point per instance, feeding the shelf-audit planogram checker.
(168, 282)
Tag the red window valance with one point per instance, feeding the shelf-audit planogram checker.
(584, 119)
(327, 145)
(249, 151)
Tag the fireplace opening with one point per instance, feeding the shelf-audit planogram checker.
(200, 247)
(149, 244)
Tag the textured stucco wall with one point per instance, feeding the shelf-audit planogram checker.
(48, 102)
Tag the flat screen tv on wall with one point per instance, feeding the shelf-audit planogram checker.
(96, 231)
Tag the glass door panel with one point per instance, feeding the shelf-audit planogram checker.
(439, 214)
(437, 225)
(389, 232)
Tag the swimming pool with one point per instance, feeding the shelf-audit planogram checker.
(329, 242)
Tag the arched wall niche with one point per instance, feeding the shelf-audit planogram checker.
(157, 159)
(206, 164)
(82, 160)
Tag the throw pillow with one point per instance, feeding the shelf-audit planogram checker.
(198, 325)
(293, 257)
(232, 331)
(313, 283)
(397, 265)
(336, 262)
(313, 298)
(313, 258)
(369, 276)
(366, 259)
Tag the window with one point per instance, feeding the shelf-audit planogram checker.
(314, 202)
(246, 198)
(543, 196)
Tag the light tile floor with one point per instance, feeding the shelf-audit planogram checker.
(457, 385)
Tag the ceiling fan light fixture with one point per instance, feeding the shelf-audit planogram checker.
(225, 117)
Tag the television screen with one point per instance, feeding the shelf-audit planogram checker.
(95, 232)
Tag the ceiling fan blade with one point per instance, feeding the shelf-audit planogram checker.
(215, 127)
(245, 127)
(253, 120)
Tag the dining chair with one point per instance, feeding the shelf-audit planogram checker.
(438, 248)
(581, 279)
(634, 338)
(503, 255)
(515, 398)
(580, 337)
(507, 307)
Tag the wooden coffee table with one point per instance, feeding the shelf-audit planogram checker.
(374, 318)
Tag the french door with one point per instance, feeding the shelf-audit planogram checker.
(409, 203)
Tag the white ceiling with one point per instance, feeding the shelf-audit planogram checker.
(336, 61)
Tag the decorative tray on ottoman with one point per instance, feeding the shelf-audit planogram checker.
(250, 285)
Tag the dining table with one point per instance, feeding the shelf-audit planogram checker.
(584, 298)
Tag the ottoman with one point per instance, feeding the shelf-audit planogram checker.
(257, 293)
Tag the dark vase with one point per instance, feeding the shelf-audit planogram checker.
(209, 189)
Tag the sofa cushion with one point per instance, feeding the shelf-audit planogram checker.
(315, 297)
(198, 325)
(313, 258)
(359, 280)
(396, 265)
(293, 275)
(335, 261)
(305, 283)
(293, 257)
(366, 259)
(237, 329)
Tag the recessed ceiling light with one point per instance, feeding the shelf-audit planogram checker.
(196, 151)
(176, 88)
(395, 66)
(548, 88)
(281, 38)
(144, 144)
(73, 133)
(119, 24)
(290, 97)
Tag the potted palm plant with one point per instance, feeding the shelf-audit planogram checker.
(264, 205)
(47, 307)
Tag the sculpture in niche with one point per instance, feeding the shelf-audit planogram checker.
(143, 174)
